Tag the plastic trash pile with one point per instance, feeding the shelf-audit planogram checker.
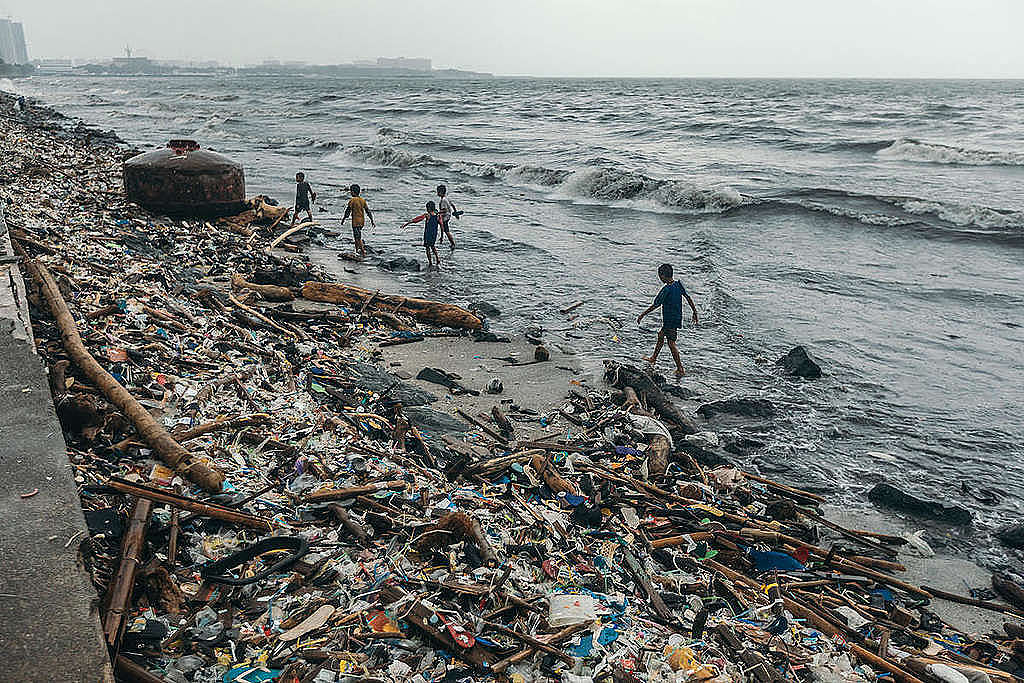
(353, 541)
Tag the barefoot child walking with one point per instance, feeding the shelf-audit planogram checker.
(670, 298)
(303, 193)
(429, 233)
(357, 208)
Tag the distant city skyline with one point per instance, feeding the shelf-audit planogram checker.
(655, 38)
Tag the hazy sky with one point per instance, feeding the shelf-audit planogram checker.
(884, 38)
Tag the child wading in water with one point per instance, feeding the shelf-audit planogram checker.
(446, 209)
(433, 219)
(670, 298)
(303, 193)
(357, 208)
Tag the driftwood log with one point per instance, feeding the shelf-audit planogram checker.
(429, 312)
(169, 450)
(620, 376)
(268, 292)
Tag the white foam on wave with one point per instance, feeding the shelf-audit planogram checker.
(622, 188)
(934, 153)
(372, 156)
(964, 215)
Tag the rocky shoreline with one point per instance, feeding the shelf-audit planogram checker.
(562, 529)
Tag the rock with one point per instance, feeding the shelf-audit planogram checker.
(541, 354)
(486, 309)
(891, 496)
(430, 420)
(1010, 588)
(495, 386)
(534, 335)
(371, 377)
(799, 363)
(745, 407)
(1012, 535)
(743, 446)
(400, 263)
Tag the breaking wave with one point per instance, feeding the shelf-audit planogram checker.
(963, 215)
(604, 184)
(613, 185)
(933, 153)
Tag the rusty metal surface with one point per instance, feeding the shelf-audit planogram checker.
(185, 181)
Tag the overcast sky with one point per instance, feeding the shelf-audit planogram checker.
(880, 38)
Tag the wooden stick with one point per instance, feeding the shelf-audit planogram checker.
(530, 640)
(259, 316)
(115, 602)
(782, 487)
(481, 426)
(222, 423)
(341, 514)
(974, 602)
(329, 495)
(169, 450)
(203, 509)
(288, 233)
(553, 639)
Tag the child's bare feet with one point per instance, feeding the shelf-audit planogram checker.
(649, 359)
(680, 372)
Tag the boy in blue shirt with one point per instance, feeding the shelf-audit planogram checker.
(429, 233)
(670, 298)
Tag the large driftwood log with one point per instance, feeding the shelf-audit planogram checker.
(430, 312)
(169, 450)
(268, 292)
(621, 376)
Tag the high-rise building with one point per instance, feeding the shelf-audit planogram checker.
(12, 42)
(20, 49)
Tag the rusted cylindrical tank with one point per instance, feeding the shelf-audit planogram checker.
(183, 180)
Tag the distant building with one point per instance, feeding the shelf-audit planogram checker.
(420, 64)
(54, 65)
(12, 42)
(20, 49)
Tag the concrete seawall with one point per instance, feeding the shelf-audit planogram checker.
(49, 621)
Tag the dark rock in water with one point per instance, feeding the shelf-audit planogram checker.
(481, 336)
(704, 456)
(400, 263)
(678, 390)
(430, 420)
(1010, 588)
(288, 275)
(744, 407)
(541, 354)
(799, 363)
(743, 446)
(487, 310)
(371, 377)
(1012, 535)
(890, 496)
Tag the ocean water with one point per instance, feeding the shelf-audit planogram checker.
(879, 223)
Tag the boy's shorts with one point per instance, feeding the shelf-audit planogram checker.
(357, 232)
(302, 206)
(429, 238)
(671, 333)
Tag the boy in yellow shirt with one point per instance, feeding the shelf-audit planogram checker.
(357, 208)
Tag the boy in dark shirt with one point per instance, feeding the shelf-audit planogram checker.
(303, 193)
(670, 298)
(429, 233)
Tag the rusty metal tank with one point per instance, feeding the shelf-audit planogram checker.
(184, 180)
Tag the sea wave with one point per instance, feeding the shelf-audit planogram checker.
(963, 215)
(933, 153)
(593, 183)
(614, 185)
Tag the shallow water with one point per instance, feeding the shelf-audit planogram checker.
(880, 223)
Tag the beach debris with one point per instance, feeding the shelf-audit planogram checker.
(269, 502)
(798, 363)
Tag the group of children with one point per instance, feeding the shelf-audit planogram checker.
(437, 220)
(438, 217)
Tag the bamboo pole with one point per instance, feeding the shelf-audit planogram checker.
(203, 509)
